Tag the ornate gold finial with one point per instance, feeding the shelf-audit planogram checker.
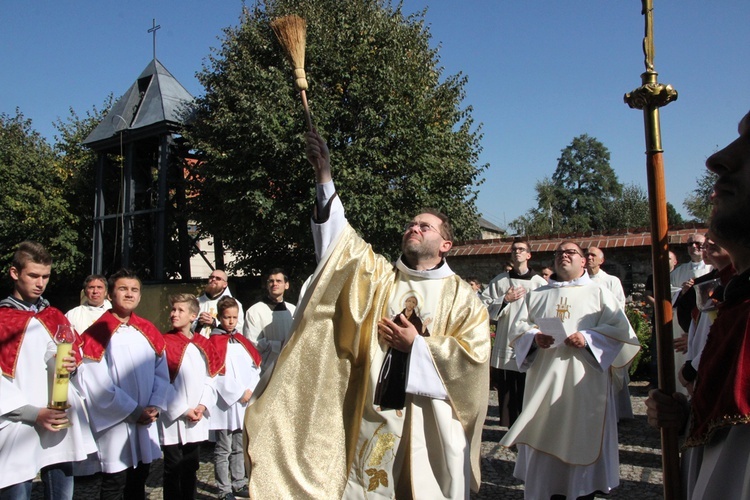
(652, 94)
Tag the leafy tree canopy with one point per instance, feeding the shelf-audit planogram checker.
(631, 210)
(33, 205)
(698, 203)
(398, 136)
(584, 183)
(575, 199)
(584, 194)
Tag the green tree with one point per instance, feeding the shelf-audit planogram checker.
(698, 203)
(631, 210)
(398, 135)
(546, 218)
(78, 165)
(576, 198)
(585, 184)
(673, 216)
(32, 196)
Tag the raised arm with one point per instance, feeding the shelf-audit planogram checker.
(328, 219)
(318, 156)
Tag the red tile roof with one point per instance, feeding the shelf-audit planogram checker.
(631, 238)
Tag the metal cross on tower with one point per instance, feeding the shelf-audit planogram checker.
(153, 29)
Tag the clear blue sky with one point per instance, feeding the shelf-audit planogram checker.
(540, 73)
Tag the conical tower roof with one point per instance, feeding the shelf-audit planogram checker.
(153, 105)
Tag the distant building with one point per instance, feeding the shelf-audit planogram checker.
(489, 231)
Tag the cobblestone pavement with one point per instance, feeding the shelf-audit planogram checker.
(640, 456)
(640, 462)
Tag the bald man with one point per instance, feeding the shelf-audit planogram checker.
(594, 261)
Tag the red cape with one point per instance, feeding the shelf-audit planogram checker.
(215, 362)
(176, 345)
(13, 323)
(96, 337)
(220, 341)
(722, 389)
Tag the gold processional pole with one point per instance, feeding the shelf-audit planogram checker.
(650, 97)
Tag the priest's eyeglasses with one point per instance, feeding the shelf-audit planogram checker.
(570, 252)
(423, 227)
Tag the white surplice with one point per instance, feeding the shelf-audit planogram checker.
(191, 387)
(85, 315)
(241, 374)
(268, 329)
(503, 356)
(679, 275)
(129, 376)
(25, 448)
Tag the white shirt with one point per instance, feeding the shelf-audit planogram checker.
(83, 316)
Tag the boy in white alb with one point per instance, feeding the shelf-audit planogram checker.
(183, 426)
(234, 384)
(29, 437)
(126, 382)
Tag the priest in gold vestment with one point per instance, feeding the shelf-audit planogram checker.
(315, 430)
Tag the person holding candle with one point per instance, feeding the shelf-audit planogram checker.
(34, 437)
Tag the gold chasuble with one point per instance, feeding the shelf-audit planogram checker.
(314, 427)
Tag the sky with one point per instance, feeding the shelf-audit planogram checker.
(540, 72)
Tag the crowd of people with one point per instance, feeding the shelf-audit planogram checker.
(134, 394)
(375, 384)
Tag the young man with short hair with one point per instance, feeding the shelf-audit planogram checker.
(127, 382)
(235, 383)
(503, 297)
(30, 436)
(268, 322)
(184, 425)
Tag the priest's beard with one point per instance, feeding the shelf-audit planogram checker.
(415, 251)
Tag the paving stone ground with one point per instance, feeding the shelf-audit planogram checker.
(640, 462)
